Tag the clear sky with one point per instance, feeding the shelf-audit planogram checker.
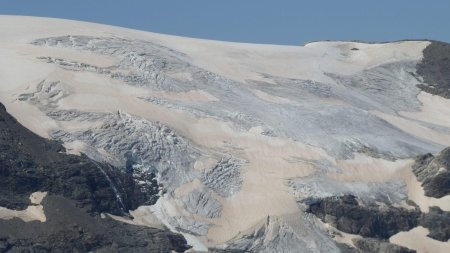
(260, 21)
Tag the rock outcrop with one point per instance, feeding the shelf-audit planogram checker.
(437, 222)
(434, 69)
(79, 189)
(377, 223)
(70, 228)
(368, 245)
(347, 215)
(30, 163)
(434, 173)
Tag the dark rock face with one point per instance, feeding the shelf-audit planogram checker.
(346, 248)
(378, 223)
(435, 69)
(78, 190)
(375, 223)
(72, 229)
(434, 173)
(29, 163)
(375, 246)
(347, 215)
(438, 223)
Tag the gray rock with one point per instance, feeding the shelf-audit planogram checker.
(434, 69)
(30, 163)
(79, 189)
(69, 228)
(434, 173)
(377, 221)
(375, 246)
(437, 222)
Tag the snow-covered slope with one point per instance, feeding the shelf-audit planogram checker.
(241, 137)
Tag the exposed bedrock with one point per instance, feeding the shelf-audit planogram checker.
(69, 228)
(348, 215)
(435, 69)
(29, 163)
(437, 222)
(378, 223)
(434, 173)
(79, 189)
(368, 245)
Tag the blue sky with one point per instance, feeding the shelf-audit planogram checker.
(259, 21)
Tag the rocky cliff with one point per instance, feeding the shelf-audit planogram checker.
(79, 191)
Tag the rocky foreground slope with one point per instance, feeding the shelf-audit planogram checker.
(78, 190)
(121, 140)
